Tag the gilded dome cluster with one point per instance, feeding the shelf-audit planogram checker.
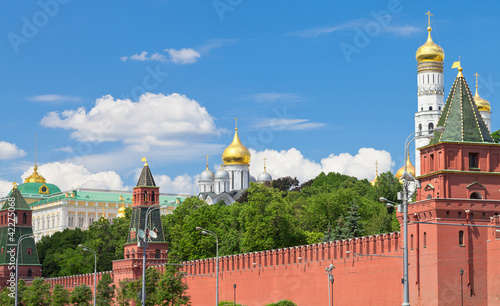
(430, 51)
(409, 168)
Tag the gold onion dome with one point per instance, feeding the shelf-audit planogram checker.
(430, 51)
(121, 212)
(409, 168)
(236, 153)
(35, 177)
(482, 104)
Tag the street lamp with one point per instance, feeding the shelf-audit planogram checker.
(408, 180)
(207, 232)
(462, 285)
(17, 258)
(85, 248)
(144, 247)
(329, 271)
(234, 295)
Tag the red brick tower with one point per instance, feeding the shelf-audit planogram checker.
(460, 175)
(145, 194)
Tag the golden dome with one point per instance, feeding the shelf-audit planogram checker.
(430, 52)
(35, 177)
(236, 153)
(482, 104)
(121, 212)
(409, 168)
(374, 181)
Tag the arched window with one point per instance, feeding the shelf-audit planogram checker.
(157, 253)
(430, 107)
(419, 129)
(29, 251)
(431, 127)
(152, 196)
(30, 273)
(425, 239)
(145, 196)
(25, 218)
(461, 238)
(411, 242)
(475, 195)
(460, 214)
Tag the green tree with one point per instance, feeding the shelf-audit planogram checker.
(105, 291)
(81, 296)
(283, 303)
(38, 294)
(128, 291)
(496, 136)
(60, 296)
(172, 288)
(7, 297)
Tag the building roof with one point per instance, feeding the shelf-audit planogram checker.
(146, 178)
(460, 118)
(38, 188)
(16, 201)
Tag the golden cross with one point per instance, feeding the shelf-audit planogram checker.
(265, 164)
(207, 161)
(476, 74)
(376, 168)
(429, 14)
(236, 122)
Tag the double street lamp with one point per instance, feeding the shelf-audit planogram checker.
(329, 272)
(409, 181)
(17, 258)
(207, 232)
(86, 248)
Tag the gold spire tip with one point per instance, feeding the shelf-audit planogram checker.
(236, 124)
(207, 160)
(145, 161)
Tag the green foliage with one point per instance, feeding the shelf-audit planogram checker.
(81, 296)
(283, 303)
(127, 292)
(7, 297)
(227, 303)
(37, 294)
(496, 136)
(172, 289)
(105, 291)
(60, 296)
(60, 256)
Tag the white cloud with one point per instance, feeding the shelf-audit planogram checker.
(68, 175)
(155, 119)
(5, 188)
(275, 97)
(64, 149)
(213, 44)
(183, 56)
(10, 150)
(292, 163)
(282, 124)
(143, 56)
(181, 184)
(55, 98)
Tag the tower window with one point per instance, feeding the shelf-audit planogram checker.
(431, 125)
(411, 242)
(475, 196)
(419, 129)
(25, 218)
(425, 239)
(430, 107)
(461, 238)
(440, 108)
(473, 161)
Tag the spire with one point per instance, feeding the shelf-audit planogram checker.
(146, 178)
(460, 118)
(19, 201)
(207, 162)
(265, 164)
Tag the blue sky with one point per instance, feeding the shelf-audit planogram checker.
(104, 83)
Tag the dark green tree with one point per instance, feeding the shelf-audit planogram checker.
(81, 296)
(60, 296)
(37, 294)
(7, 297)
(105, 291)
(283, 303)
(496, 136)
(172, 288)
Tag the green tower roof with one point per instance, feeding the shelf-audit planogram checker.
(19, 203)
(460, 118)
(146, 178)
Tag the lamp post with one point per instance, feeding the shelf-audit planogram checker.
(85, 248)
(462, 285)
(17, 258)
(207, 232)
(144, 247)
(407, 194)
(234, 295)
(329, 272)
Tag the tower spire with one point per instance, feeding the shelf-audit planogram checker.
(376, 168)
(476, 75)
(207, 161)
(265, 164)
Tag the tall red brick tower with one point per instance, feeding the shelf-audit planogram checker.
(15, 221)
(460, 176)
(145, 194)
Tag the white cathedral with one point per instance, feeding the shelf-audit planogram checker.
(233, 177)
